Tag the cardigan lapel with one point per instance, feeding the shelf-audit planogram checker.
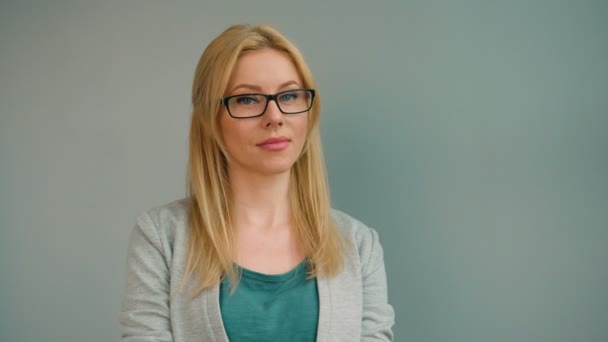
(213, 312)
(325, 314)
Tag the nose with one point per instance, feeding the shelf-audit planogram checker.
(273, 116)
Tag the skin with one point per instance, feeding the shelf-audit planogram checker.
(259, 179)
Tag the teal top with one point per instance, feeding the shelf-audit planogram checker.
(277, 307)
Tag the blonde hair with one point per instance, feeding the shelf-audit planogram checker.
(211, 240)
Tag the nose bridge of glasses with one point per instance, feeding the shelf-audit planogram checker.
(273, 97)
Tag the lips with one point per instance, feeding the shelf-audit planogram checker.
(274, 144)
(274, 140)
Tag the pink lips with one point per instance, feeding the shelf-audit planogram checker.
(275, 144)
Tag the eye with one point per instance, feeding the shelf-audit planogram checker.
(288, 97)
(246, 100)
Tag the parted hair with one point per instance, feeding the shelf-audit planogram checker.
(211, 244)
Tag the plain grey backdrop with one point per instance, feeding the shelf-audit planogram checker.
(471, 134)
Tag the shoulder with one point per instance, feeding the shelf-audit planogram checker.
(352, 228)
(165, 221)
(168, 214)
(363, 238)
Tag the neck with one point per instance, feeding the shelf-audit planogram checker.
(260, 201)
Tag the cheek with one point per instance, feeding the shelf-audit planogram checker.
(299, 131)
(303, 126)
(298, 122)
(229, 130)
(233, 139)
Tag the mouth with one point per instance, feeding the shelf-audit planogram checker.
(274, 144)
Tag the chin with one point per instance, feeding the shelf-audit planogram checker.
(276, 168)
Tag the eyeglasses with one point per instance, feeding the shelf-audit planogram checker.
(291, 101)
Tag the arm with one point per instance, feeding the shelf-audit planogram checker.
(378, 316)
(145, 305)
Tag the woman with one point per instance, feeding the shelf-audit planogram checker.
(254, 253)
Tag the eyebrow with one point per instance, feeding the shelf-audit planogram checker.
(257, 88)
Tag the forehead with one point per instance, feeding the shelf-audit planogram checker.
(266, 69)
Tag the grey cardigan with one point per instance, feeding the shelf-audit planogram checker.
(352, 306)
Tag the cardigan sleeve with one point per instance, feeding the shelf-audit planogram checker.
(145, 313)
(378, 315)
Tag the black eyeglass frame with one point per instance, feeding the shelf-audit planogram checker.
(271, 97)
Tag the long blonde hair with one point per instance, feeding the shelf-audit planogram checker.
(211, 241)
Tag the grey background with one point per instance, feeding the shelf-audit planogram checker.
(470, 134)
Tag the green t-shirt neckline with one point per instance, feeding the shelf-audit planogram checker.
(271, 307)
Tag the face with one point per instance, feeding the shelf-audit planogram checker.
(266, 71)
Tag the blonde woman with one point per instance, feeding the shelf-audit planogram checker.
(254, 253)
